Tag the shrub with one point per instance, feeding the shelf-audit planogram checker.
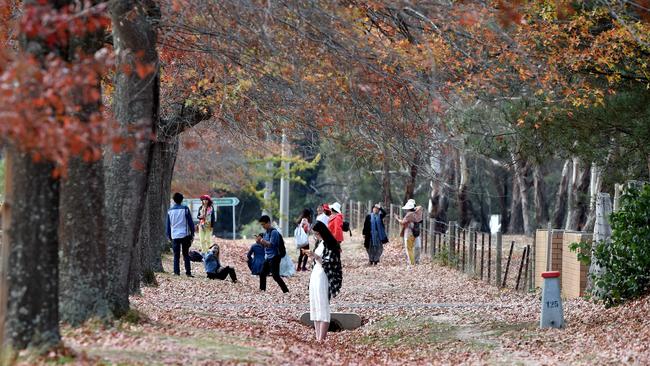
(626, 260)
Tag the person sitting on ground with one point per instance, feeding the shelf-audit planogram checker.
(256, 258)
(213, 267)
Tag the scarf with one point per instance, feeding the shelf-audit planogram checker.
(376, 230)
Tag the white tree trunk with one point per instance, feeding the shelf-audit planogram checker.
(602, 233)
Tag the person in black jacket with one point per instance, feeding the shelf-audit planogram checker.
(374, 234)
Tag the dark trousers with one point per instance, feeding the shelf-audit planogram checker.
(272, 266)
(178, 245)
(222, 273)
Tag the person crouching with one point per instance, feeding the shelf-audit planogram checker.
(213, 267)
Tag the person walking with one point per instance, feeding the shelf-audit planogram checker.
(271, 244)
(301, 235)
(326, 278)
(411, 231)
(213, 267)
(323, 213)
(374, 234)
(207, 219)
(180, 230)
(335, 224)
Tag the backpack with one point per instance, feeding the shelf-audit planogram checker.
(282, 250)
(195, 256)
(416, 229)
(346, 227)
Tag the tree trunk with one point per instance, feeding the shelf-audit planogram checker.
(439, 197)
(516, 223)
(578, 196)
(82, 233)
(500, 181)
(83, 269)
(561, 197)
(136, 106)
(32, 318)
(519, 173)
(595, 184)
(410, 184)
(464, 202)
(385, 179)
(541, 206)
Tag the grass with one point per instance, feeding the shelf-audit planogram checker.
(437, 333)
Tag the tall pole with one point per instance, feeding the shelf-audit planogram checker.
(268, 189)
(284, 188)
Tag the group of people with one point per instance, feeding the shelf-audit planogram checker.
(266, 254)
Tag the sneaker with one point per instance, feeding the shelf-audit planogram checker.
(190, 275)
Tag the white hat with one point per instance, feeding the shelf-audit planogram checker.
(410, 204)
(336, 207)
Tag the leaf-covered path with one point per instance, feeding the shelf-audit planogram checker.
(423, 315)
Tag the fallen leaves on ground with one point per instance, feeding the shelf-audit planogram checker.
(425, 314)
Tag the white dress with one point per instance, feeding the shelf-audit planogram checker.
(319, 304)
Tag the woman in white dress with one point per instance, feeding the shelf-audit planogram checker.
(326, 278)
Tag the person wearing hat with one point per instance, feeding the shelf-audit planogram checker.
(411, 231)
(207, 218)
(374, 234)
(335, 224)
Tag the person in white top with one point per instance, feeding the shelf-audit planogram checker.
(323, 213)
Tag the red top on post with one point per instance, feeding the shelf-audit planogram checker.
(551, 274)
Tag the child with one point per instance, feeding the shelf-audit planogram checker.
(256, 258)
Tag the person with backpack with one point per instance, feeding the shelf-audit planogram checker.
(411, 226)
(180, 230)
(274, 250)
(374, 234)
(335, 224)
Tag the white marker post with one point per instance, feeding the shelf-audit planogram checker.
(552, 313)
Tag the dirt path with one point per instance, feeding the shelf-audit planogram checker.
(422, 315)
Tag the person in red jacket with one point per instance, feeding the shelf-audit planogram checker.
(335, 224)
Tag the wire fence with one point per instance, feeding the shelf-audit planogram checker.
(481, 255)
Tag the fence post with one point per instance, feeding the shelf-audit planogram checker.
(505, 276)
(499, 249)
(489, 264)
(531, 264)
(470, 252)
(549, 241)
(482, 253)
(359, 215)
(521, 267)
(391, 221)
(451, 239)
